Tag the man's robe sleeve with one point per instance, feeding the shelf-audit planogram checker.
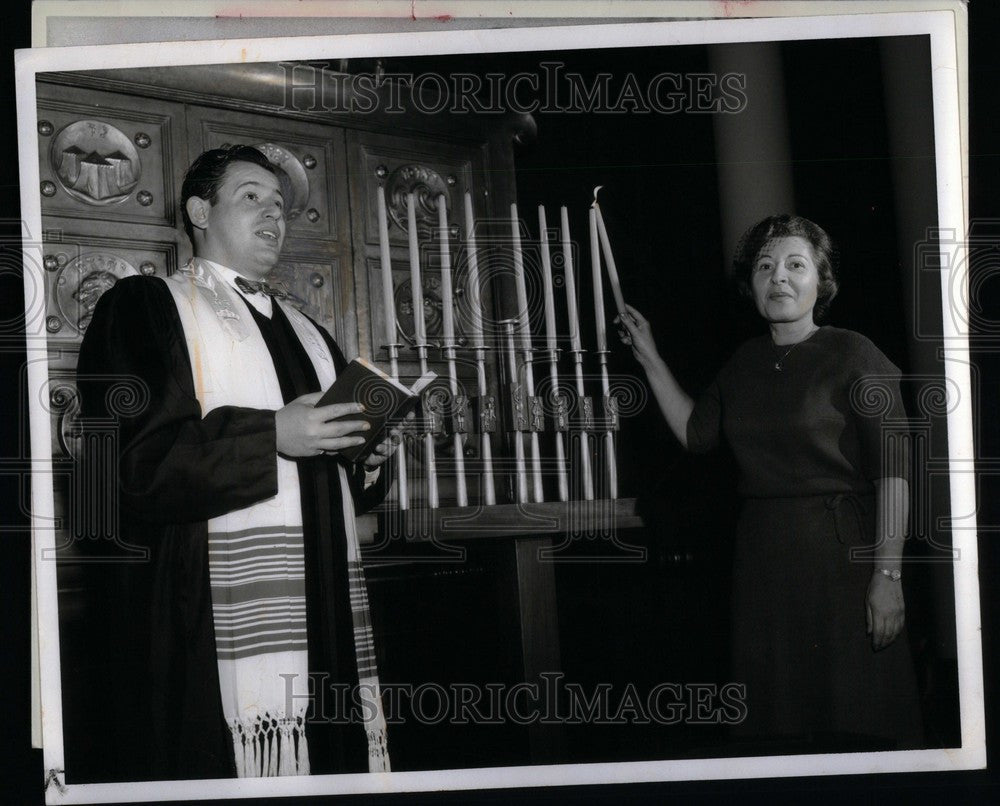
(175, 465)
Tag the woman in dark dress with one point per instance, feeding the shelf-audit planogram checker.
(810, 413)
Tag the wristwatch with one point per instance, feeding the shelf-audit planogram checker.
(895, 576)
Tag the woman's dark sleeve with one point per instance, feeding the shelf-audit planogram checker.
(879, 415)
(175, 465)
(704, 428)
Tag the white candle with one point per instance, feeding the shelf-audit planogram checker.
(388, 300)
(519, 286)
(416, 289)
(567, 246)
(448, 326)
(447, 316)
(475, 303)
(595, 262)
(475, 298)
(529, 378)
(550, 343)
(550, 303)
(609, 259)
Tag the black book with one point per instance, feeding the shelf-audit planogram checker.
(386, 401)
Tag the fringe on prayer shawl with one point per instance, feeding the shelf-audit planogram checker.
(270, 746)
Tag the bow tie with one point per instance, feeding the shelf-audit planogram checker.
(258, 287)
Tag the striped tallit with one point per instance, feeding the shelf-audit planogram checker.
(256, 554)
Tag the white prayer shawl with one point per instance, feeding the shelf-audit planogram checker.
(256, 554)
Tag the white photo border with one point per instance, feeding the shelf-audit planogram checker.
(942, 30)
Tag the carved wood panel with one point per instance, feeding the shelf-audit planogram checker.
(80, 266)
(428, 170)
(314, 287)
(106, 157)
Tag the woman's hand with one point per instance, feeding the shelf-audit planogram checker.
(674, 402)
(885, 610)
(633, 328)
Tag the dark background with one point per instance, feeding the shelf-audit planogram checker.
(852, 201)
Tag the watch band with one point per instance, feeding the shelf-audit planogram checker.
(895, 576)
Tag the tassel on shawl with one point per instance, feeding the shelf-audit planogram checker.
(268, 746)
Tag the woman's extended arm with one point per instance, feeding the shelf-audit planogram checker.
(885, 607)
(674, 402)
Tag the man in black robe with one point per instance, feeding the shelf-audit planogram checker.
(179, 467)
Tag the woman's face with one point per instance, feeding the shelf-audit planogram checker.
(785, 280)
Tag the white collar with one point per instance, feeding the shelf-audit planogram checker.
(262, 302)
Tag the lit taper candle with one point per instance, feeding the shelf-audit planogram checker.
(609, 258)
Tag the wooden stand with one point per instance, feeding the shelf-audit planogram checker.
(531, 532)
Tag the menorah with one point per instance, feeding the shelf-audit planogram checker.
(508, 427)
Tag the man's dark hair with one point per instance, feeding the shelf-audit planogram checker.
(788, 226)
(207, 173)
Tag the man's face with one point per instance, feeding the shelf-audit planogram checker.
(245, 228)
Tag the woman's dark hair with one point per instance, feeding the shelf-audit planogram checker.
(207, 173)
(788, 226)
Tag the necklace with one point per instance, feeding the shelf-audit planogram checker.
(779, 364)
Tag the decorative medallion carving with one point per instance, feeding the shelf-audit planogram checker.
(433, 315)
(95, 162)
(426, 184)
(488, 415)
(459, 414)
(432, 308)
(293, 178)
(537, 415)
(82, 281)
(587, 419)
(560, 413)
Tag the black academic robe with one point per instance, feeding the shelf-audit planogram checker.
(177, 469)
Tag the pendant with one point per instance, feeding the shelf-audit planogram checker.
(777, 366)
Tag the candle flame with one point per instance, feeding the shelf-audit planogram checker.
(594, 203)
